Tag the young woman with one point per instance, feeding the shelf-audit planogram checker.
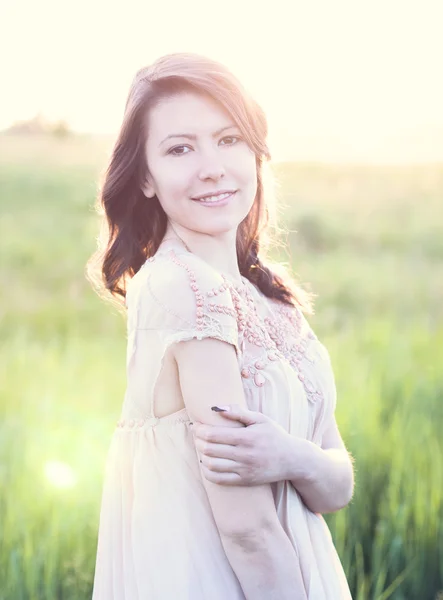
(200, 503)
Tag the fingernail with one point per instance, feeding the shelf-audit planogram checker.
(220, 408)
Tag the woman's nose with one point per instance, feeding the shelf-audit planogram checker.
(211, 167)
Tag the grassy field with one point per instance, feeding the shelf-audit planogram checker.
(367, 240)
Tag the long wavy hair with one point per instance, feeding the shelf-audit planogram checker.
(132, 228)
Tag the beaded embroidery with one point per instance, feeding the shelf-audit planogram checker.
(287, 325)
(205, 323)
(281, 336)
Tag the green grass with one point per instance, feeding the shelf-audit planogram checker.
(367, 240)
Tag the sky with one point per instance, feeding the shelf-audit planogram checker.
(338, 79)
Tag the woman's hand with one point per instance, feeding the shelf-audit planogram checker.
(255, 454)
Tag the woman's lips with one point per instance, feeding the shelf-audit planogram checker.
(216, 202)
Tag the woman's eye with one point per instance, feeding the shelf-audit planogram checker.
(228, 137)
(232, 137)
(172, 151)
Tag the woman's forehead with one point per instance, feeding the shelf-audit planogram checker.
(187, 113)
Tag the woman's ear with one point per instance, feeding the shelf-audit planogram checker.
(147, 188)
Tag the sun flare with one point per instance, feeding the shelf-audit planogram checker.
(60, 474)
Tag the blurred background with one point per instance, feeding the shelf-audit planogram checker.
(353, 94)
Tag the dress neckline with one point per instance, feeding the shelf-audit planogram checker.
(176, 243)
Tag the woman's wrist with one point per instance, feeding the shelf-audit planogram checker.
(300, 460)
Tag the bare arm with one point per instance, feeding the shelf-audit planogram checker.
(255, 543)
(267, 568)
(326, 483)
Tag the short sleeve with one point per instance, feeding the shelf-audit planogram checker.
(173, 298)
(183, 297)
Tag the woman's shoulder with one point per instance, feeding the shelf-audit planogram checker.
(180, 282)
(178, 270)
(173, 267)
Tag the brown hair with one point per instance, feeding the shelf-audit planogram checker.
(132, 228)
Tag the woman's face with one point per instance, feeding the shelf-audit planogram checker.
(181, 167)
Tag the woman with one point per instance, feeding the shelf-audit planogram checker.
(205, 504)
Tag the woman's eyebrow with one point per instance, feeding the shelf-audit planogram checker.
(192, 136)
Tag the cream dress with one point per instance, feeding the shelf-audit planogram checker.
(158, 539)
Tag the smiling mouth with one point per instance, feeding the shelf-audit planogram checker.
(219, 200)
